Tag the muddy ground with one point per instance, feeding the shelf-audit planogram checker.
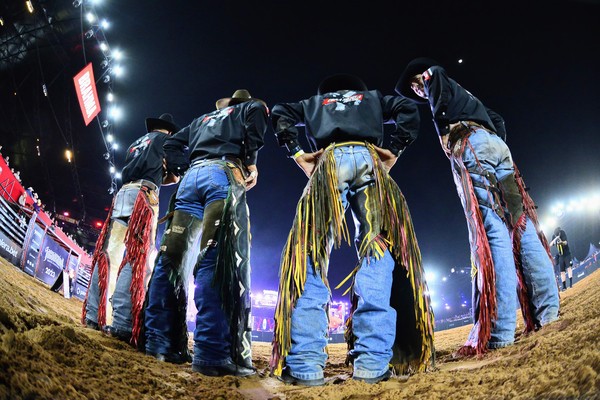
(46, 354)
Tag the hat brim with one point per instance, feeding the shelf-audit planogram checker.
(336, 82)
(415, 67)
(231, 101)
(157, 123)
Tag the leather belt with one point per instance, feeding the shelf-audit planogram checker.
(236, 163)
(462, 128)
(142, 182)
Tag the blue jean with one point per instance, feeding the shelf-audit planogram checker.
(119, 294)
(374, 320)
(201, 185)
(488, 152)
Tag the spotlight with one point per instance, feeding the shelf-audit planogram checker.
(105, 124)
(106, 79)
(1, 21)
(89, 34)
(76, 3)
(105, 24)
(115, 146)
(91, 18)
(104, 64)
(29, 5)
(103, 46)
(106, 155)
(110, 97)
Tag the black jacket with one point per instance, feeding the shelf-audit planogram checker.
(144, 159)
(451, 103)
(236, 131)
(346, 116)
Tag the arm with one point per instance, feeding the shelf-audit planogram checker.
(256, 124)
(405, 115)
(177, 162)
(498, 122)
(169, 178)
(285, 117)
(438, 89)
(562, 237)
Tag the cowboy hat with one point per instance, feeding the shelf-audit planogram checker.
(165, 121)
(336, 82)
(239, 96)
(415, 67)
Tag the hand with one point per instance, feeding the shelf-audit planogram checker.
(253, 178)
(387, 158)
(170, 179)
(308, 161)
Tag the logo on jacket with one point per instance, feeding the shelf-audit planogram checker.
(340, 100)
(139, 145)
(219, 115)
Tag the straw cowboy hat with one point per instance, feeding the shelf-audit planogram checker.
(239, 96)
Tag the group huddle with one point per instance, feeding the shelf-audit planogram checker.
(206, 239)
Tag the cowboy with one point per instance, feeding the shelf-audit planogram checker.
(507, 246)
(563, 257)
(348, 167)
(223, 149)
(121, 266)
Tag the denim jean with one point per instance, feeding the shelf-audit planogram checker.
(201, 185)
(374, 320)
(118, 290)
(489, 152)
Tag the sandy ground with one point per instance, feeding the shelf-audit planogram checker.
(46, 354)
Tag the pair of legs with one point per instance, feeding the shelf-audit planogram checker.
(564, 266)
(118, 296)
(488, 160)
(374, 320)
(199, 202)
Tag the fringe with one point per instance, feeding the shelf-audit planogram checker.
(100, 259)
(517, 234)
(518, 230)
(319, 207)
(481, 257)
(138, 241)
(320, 219)
(232, 272)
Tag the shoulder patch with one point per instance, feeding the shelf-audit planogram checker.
(427, 74)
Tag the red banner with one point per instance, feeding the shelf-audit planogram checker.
(86, 93)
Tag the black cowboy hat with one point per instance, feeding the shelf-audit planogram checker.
(239, 96)
(165, 121)
(415, 67)
(336, 82)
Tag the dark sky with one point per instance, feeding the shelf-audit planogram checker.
(535, 65)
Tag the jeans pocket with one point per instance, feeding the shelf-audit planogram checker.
(217, 177)
(124, 202)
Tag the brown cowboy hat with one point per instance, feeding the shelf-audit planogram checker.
(415, 67)
(239, 96)
(165, 121)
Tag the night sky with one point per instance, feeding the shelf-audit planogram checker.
(536, 66)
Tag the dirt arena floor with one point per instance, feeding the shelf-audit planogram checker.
(46, 354)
